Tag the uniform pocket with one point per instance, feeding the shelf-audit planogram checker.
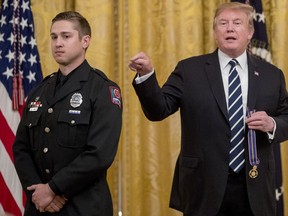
(31, 122)
(72, 129)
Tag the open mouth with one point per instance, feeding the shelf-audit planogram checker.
(230, 38)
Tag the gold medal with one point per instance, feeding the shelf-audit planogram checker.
(253, 173)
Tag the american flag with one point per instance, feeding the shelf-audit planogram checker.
(259, 48)
(20, 71)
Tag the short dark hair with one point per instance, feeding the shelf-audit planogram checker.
(81, 24)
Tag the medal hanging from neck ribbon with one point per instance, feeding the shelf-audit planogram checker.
(253, 158)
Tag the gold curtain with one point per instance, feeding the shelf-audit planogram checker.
(168, 30)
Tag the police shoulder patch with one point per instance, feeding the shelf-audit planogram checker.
(115, 95)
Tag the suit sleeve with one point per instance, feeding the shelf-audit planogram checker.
(158, 103)
(281, 118)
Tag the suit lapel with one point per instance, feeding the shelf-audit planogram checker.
(213, 72)
(253, 88)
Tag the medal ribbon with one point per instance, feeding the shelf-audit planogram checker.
(253, 158)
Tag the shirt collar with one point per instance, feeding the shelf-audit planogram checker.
(224, 59)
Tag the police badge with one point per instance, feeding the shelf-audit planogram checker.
(76, 100)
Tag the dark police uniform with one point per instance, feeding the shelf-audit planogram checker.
(68, 138)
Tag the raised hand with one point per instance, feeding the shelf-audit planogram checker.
(141, 63)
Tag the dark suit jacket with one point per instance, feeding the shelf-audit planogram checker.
(196, 87)
(70, 142)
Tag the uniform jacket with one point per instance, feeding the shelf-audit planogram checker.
(69, 140)
(196, 88)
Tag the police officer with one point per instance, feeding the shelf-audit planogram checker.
(69, 132)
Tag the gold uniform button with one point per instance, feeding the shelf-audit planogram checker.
(47, 129)
(45, 150)
(50, 110)
(72, 121)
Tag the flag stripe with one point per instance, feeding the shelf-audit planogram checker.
(6, 136)
(19, 63)
(12, 117)
(10, 176)
(7, 199)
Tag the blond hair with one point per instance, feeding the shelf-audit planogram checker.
(248, 9)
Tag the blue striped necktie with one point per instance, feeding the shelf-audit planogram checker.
(236, 119)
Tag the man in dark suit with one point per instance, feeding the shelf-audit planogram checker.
(68, 135)
(207, 179)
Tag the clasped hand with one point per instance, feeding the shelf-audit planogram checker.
(45, 199)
